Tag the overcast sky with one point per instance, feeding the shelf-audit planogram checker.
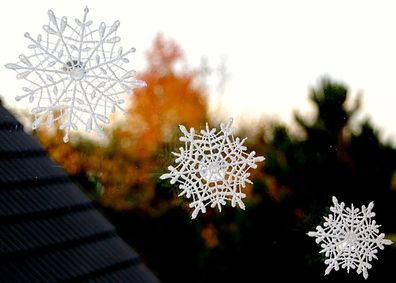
(274, 50)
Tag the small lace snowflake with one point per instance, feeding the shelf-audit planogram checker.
(75, 74)
(212, 168)
(350, 238)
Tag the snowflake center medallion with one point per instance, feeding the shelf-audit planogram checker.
(349, 242)
(213, 172)
(76, 70)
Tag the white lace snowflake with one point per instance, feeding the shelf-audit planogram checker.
(350, 238)
(75, 74)
(212, 168)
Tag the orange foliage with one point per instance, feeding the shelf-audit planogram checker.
(169, 99)
(60, 152)
(209, 235)
(126, 170)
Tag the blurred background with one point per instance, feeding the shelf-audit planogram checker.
(310, 83)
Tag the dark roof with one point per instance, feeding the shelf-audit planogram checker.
(49, 230)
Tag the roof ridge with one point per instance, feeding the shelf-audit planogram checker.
(28, 184)
(44, 250)
(104, 271)
(7, 220)
(8, 126)
(25, 153)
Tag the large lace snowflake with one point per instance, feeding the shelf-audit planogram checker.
(212, 168)
(350, 238)
(75, 74)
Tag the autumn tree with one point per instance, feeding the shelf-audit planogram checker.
(171, 98)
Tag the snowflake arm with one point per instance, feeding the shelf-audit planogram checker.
(212, 168)
(349, 238)
(75, 74)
